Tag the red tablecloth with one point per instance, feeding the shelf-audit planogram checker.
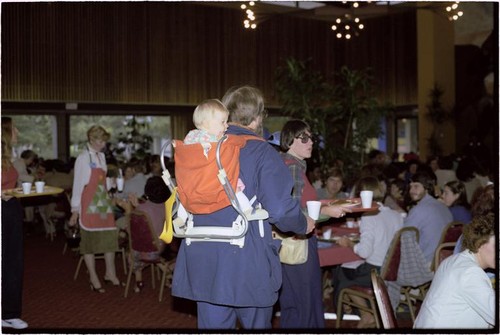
(336, 255)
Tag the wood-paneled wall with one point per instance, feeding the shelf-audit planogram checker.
(181, 53)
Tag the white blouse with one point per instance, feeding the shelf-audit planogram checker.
(82, 173)
(460, 296)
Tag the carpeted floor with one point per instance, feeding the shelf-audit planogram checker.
(54, 303)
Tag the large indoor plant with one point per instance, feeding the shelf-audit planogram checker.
(341, 110)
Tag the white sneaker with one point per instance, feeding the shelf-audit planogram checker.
(14, 323)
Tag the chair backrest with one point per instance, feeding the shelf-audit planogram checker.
(390, 268)
(443, 251)
(383, 301)
(141, 233)
(452, 232)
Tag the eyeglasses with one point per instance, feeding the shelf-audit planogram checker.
(304, 138)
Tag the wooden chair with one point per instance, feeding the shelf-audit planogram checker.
(121, 252)
(143, 239)
(443, 251)
(451, 233)
(385, 310)
(389, 271)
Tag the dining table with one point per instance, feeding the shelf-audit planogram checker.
(330, 253)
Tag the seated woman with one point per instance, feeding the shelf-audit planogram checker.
(333, 186)
(395, 196)
(155, 194)
(377, 231)
(455, 197)
(471, 302)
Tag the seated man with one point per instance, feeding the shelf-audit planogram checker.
(429, 215)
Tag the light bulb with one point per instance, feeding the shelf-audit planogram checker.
(253, 26)
(339, 35)
(338, 20)
(356, 20)
(334, 27)
(251, 3)
(454, 6)
(243, 6)
(448, 9)
(348, 36)
(455, 17)
(355, 5)
(361, 26)
(460, 13)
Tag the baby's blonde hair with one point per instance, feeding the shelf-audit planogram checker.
(207, 110)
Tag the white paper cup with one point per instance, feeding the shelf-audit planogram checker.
(366, 198)
(313, 209)
(109, 183)
(119, 184)
(39, 186)
(327, 234)
(350, 223)
(27, 188)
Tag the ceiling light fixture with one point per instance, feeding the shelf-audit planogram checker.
(249, 22)
(348, 25)
(453, 12)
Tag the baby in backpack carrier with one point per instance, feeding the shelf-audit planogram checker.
(210, 119)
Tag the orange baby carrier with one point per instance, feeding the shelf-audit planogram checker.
(205, 182)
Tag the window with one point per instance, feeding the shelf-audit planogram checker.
(129, 133)
(37, 133)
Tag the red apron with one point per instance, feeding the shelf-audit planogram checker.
(96, 209)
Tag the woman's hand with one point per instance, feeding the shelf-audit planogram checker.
(73, 219)
(335, 211)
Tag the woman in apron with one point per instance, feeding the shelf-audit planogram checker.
(92, 209)
(301, 297)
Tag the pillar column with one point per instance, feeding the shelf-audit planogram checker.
(436, 65)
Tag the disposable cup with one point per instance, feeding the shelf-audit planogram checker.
(27, 188)
(119, 184)
(313, 209)
(366, 198)
(39, 186)
(350, 223)
(327, 234)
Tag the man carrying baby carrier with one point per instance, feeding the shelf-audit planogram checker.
(229, 282)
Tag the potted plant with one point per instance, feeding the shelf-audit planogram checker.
(344, 115)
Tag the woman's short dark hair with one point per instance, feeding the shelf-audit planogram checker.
(457, 187)
(291, 130)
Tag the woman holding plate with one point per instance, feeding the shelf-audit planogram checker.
(301, 296)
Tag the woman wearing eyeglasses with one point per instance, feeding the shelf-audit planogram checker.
(301, 297)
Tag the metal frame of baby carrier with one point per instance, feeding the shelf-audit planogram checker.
(183, 222)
